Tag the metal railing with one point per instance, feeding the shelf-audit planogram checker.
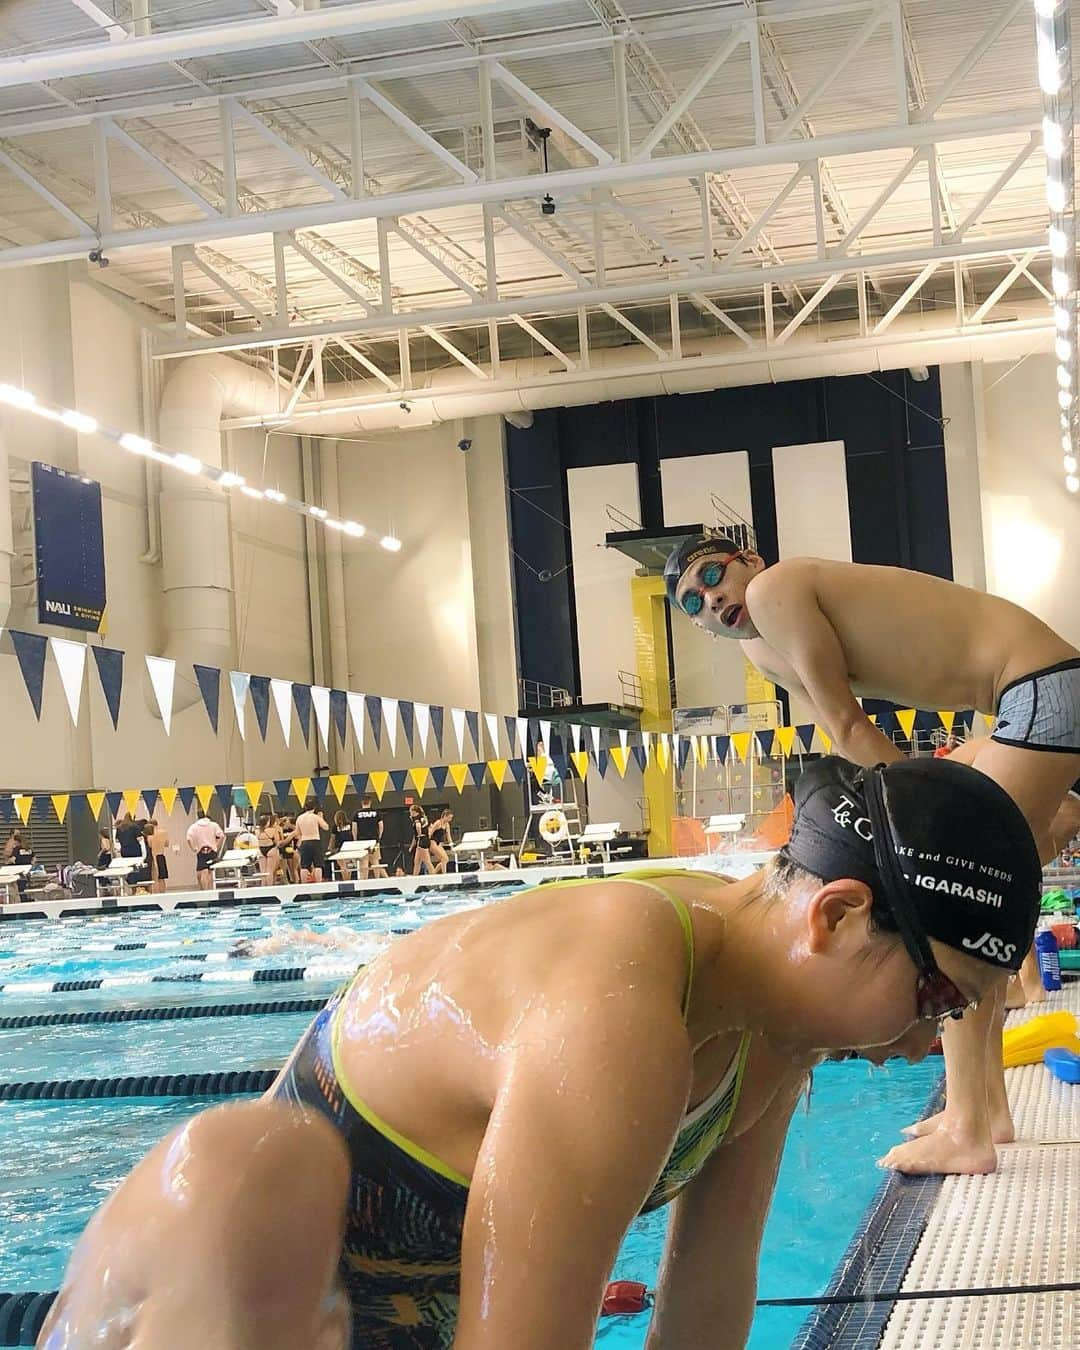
(534, 694)
(631, 691)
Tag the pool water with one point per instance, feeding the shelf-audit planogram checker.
(59, 1160)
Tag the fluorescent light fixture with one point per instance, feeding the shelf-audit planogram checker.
(390, 543)
(1064, 398)
(1062, 319)
(1072, 483)
(1059, 242)
(78, 421)
(253, 492)
(1064, 377)
(354, 528)
(1049, 65)
(1053, 138)
(1066, 442)
(1046, 9)
(138, 445)
(1062, 348)
(188, 463)
(228, 479)
(1070, 463)
(18, 398)
(332, 524)
(273, 495)
(1055, 194)
(319, 512)
(1059, 280)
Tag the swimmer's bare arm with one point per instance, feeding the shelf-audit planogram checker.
(788, 615)
(578, 1134)
(708, 1280)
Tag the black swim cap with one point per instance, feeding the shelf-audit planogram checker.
(960, 856)
(690, 551)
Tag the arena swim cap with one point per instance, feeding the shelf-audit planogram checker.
(958, 855)
(690, 551)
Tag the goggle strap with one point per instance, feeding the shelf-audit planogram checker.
(888, 866)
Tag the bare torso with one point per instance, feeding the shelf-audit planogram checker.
(915, 639)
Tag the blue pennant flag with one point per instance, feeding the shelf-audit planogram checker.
(511, 731)
(439, 775)
(150, 797)
(398, 777)
(301, 697)
(472, 721)
(477, 771)
(187, 798)
(359, 782)
(374, 711)
(966, 717)
(684, 753)
(805, 732)
(224, 794)
(562, 766)
(339, 711)
(638, 752)
(209, 678)
(408, 720)
(319, 786)
(282, 788)
(517, 768)
(437, 716)
(110, 669)
(723, 744)
(260, 700)
(765, 739)
(30, 649)
(602, 761)
(112, 801)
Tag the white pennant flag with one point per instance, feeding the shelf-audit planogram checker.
(545, 736)
(281, 692)
(240, 680)
(492, 722)
(71, 662)
(523, 736)
(320, 701)
(575, 732)
(594, 732)
(646, 741)
(355, 704)
(162, 673)
(676, 738)
(457, 716)
(666, 740)
(624, 739)
(389, 717)
(423, 724)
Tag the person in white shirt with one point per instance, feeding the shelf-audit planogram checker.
(205, 839)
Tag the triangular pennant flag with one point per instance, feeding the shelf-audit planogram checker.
(282, 788)
(594, 732)
(492, 723)
(538, 764)
(741, 741)
(510, 723)
(723, 745)
(95, 801)
(374, 711)
(906, 718)
(30, 649)
(477, 769)
(420, 776)
(359, 782)
(301, 697)
(260, 701)
(701, 751)
(150, 799)
(624, 738)
(24, 805)
(517, 731)
(238, 682)
(765, 740)
(281, 693)
(131, 797)
(989, 719)
(112, 800)
(162, 671)
(60, 800)
(254, 788)
(187, 798)
(498, 769)
(209, 681)
(168, 799)
(110, 669)
(339, 713)
(407, 713)
(638, 751)
(355, 704)
(339, 785)
(398, 778)
(439, 775)
(437, 727)
(457, 717)
(301, 788)
(684, 754)
(575, 734)
(205, 794)
(620, 756)
(472, 721)
(562, 767)
(947, 720)
(646, 743)
(545, 734)
(872, 719)
(319, 786)
(786, 737)
(320, 699)
(70, 658)
(458, 773)
(389, 716)
(805, 732)
(580, 761)
(676, 748)
(663, 751)
(517, 770)
(423, 724)
(378, 778)
(225, 796)
(602, 762)
(826, 740)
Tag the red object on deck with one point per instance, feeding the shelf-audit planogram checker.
(1066, 934)
(624, 1297)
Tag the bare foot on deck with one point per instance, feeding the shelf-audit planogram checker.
(1002, 1129)
(942, 1151)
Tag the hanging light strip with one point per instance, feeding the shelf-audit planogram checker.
(134, 444)
(1054, 50)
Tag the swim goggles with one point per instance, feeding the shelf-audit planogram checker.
(712, 574)
(935, 994)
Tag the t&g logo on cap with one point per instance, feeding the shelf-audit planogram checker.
(845, 813)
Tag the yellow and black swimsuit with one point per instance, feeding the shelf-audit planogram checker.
(401, 1255)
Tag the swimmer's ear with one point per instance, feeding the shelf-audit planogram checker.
(838, 915)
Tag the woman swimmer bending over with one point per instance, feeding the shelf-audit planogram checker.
(457, 1145)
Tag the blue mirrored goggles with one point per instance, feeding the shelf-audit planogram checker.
(712, 574)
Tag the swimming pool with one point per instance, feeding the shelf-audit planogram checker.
(58, 1159)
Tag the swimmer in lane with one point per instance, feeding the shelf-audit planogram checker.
(832, 630)
(337, 939)
(553, 1065)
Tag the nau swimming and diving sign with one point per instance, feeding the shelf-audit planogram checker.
(70, 549)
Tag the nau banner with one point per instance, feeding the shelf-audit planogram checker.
(70, 549)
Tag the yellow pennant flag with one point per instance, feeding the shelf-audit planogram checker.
(459, 773)
(580, 761)
(701, 751)
(826, 740)
(60, 804)
(23, 805)
(872, 718)
(205, 794)
(420, 776)
(339, 785)
(498, 768)
(741, 741)
(538, 764)
(96, 800)
(132, 797)
(786, 737)
(663, 754)
(377, 779)
(947, 720)
(254, 792)
(302, 789)
(168, 798)
(619, 758)
(989, 719)
(906, 718)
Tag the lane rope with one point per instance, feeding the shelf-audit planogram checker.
(170, 1013)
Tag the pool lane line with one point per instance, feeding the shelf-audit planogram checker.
(169, 1013)
(232, 1083)
(330, 970)
(916, 1295)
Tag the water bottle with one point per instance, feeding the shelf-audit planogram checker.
(1046, 952)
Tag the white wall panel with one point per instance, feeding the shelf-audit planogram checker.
(810, 482)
